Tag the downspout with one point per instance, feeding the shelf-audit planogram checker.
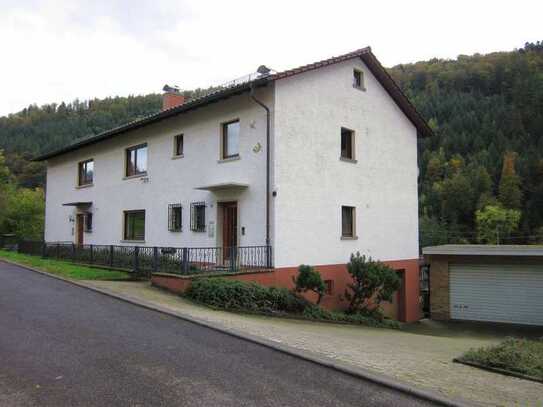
(252, 94)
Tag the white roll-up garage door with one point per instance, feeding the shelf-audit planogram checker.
(497, 293)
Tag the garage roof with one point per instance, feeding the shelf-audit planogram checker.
(484, 250)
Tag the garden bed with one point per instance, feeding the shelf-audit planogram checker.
(252, 298)
(514, 357)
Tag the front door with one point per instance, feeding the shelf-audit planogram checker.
(229, 228)
(80, 219)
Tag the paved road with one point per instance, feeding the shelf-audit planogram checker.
(61, 345)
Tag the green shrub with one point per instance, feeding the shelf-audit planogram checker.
(373, 282)
(523, 356)
(239, 295)
(308, 279)
(320, 314)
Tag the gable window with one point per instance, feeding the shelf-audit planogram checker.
(136, 160)
(175, 217)
(347, 144)
(178, 146)
(358, 79)
(134, 225)
(198, 216)
(88, 222)
(230, 139)
(85, 172)
(348, 222)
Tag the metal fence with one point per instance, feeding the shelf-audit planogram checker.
(147, 260)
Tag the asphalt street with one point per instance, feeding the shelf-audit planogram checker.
(63, 345)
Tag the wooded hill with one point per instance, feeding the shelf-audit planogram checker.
(486, 112)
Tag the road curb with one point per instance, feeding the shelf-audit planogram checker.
(300, 354)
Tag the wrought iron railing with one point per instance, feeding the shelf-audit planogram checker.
(144, 260)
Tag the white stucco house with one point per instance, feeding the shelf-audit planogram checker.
(316, 162)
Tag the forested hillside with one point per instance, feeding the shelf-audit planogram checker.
(487, 114)
(481, 176)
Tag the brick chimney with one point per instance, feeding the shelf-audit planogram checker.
(172, 97)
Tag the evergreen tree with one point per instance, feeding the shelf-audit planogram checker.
(510, 193)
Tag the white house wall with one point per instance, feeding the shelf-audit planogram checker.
(312, 183)
(169, 180)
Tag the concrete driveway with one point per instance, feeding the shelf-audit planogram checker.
(64, 345)
(421, 355)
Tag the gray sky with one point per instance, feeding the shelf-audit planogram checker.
(59, 50)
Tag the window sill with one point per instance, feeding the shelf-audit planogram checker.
(349, 237)
(348, 160)
(133, 241)
(142, 175)
(175, 157)
(361, 88)
(84, 186)
(228, 159)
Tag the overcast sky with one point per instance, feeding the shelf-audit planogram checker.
(59, 50)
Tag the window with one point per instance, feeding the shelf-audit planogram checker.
(198, 216)
(175, 217)
(178, 146)
(329, 287)
(347, 221)
(136, 160)
(347, 144)
(230, 139)
(358, 79)
(88, 222)
(134, 225)
(86, 172)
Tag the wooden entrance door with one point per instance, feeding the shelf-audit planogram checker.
(229, 227)
(79, 224)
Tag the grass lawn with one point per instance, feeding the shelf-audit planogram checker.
(524, 356)
(64, 269)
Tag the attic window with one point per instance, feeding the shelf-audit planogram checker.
(358, 79)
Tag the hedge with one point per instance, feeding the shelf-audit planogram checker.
(239, 295)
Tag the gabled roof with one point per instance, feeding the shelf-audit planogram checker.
(365, 54)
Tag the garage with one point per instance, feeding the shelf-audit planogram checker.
(502, 284)
(498, 293)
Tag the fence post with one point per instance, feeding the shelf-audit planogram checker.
(185, 263)
(58, 250)
(91, 255)
(73, 251)
(136, 259)
(44, 250)
(155, 259)
(111, 255)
